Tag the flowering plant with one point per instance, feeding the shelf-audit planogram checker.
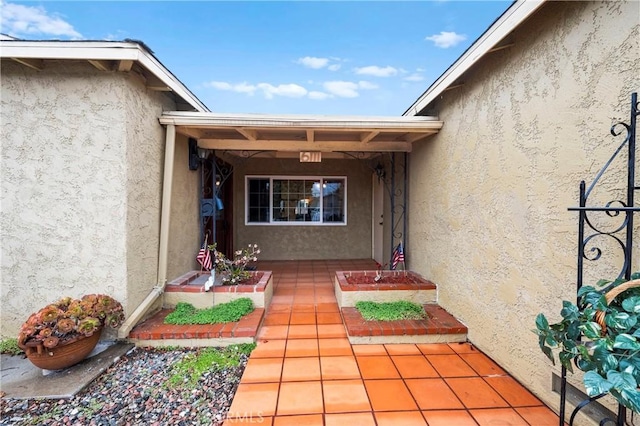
(379, 268)
(234, 271)
(68, 319)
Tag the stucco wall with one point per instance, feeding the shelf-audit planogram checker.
(489, 194)
(81, 158)
(352, 241)
(184, 228)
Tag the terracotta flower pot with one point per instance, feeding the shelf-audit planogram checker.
(64, 355)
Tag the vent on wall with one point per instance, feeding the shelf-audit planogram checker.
(310, 157)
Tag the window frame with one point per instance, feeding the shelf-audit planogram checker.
(272, 222)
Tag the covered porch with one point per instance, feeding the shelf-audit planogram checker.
(304, 371)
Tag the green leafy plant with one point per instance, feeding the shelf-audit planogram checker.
(234, 271)
(69, 319)
(10, 347)
(601, 336)
(186, 313)
(390, 311)
(189, 370)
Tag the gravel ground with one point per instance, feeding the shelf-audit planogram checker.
(134, 391)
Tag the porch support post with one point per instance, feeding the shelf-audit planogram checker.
(165, 216)
(165, 212)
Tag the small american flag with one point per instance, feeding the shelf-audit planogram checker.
(204, 256)
(398, 256)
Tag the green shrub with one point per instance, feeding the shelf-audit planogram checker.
(10, 346)
(186, 313)
(390, 311)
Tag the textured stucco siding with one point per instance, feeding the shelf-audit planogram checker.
(488, 218)
(184, 227)
(82, 156)
(352, 241)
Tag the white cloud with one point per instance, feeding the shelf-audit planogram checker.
(414, 77)
(20, 20)
(334, 67)
(446, 39)
(244, 87)
(318, 95)
(347, 89)
(286, 90)
(377, 71)
(313, 62)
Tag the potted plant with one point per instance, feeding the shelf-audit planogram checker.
(64, 333)
(601, 336)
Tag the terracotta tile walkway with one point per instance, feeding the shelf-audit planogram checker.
(305, 372)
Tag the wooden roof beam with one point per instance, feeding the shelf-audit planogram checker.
(287, 145)
(251, 135)
(36, 64)
(368, 137)
(101, 65)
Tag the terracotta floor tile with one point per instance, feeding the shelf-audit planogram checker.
(413, 366)
(476, 393)
(482, 364)
(345, 396)
(269, 349)
(303, 318)
(310, 420)
(302, 332)
(513, 392)
(339, 367)
(276, 319)
(538, 416)
(275, 308)
(402, 349)
(451, 366)
(433, 394)
(350, 419)
(463, 348)
(254, 399)
(262, 370)
(498, 416)
(304, 307)
(268, 332)
(304, 299)
(389, 395)
(333, 347)
(369, 350)
(300, 398)
(327, 307)
(435, 349)
(449, 418)
(301, 369)
(284, 299)
(377, 367)
(329, 331)
(301, 348)
(404, 418)
(328, 318)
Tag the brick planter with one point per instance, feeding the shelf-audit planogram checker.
(422, 292)
(190, 288)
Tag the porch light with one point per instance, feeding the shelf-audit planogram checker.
(196, 154)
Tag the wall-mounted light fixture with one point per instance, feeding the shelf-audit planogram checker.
(379, 171)
(195, 154)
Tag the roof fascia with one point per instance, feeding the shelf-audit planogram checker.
(110, 51)
(503, 26)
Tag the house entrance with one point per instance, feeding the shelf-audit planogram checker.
(216, 203)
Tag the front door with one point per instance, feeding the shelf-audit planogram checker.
(218, 203)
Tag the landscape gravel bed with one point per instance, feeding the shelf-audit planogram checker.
(135, 391)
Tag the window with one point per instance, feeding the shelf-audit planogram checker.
(288, 200)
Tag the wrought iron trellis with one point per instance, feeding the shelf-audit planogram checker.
(590, 232)
(396, 185)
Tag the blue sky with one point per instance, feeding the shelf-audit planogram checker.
(294, 57)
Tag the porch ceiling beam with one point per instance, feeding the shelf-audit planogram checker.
(192, 132)
(367, 137)
(310, 135)
(36, 64)
(125, 65)
(284, 145)
(101, 65)
(417, 136)
(251, 135)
